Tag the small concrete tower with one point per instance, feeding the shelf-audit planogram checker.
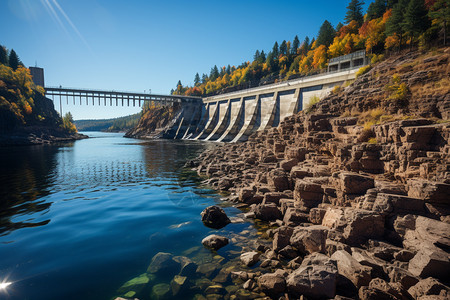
(38, 75)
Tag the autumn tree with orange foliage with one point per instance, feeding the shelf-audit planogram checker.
(383, 27)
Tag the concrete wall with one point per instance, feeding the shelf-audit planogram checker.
(232, 117)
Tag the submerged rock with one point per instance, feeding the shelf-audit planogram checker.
(161, 291)
(163, 264)
(215, 241)
(215, 217)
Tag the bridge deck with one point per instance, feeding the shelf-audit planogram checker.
(116, 97)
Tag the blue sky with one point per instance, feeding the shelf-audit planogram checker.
(139, 45)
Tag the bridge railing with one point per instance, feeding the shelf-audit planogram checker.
(94, 90)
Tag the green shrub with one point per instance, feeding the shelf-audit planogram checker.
(372, 140)
(363, 70)
(313, 100)
(398, 90)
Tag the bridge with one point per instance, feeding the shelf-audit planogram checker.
(117, 98)
(233, 116)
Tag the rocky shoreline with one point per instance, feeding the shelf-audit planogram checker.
(351, 199)
(359, 211)
(38, 136)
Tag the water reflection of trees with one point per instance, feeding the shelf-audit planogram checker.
(25, 177)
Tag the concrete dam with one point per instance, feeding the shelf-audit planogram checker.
(232, 117)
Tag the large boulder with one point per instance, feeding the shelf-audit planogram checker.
(309, 239)
(282, 237)
(432, 262)
(272, 283)
(215, 241)
(429, 286)
(214, 217)
(308, 194)
(351, 269)
(316, 277)
(295, 216)
(427, 232)
(249, 258)
(278, 179)
(357, 225)
(354, 183)
(267, 212)
(429, 191)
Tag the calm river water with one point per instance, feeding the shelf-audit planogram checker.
(79, 220)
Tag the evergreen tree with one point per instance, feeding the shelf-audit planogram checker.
(197, 79)
(415, 19)
(312, 43)
(275, 51)
(3, 55)
(339, 27)
(204, 78)
(376, 9)
(393, 25)
(283, 48)
(295, 45)
(440, 11)
(262, 57)
(354, 12)
(272, 62)
(214, 73)
(390, 3)
(307, 45)
(229, 70)
(256, 56)
(14, 61)
(326, 34)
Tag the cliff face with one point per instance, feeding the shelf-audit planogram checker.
(26, 116)
(358, 188)
(156, 122)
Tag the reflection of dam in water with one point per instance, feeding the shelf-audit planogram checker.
(102, 173)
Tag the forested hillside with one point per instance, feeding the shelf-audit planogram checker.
(24, 110)
(110, 125)
(386, 27)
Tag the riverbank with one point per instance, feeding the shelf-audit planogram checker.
(35, 135)
(357, 189)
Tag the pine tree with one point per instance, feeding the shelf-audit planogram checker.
(393, 25)
(262, 57)
(214, 73)
(354, 12)
(14, 61)
(256, 55)
(275, 51)
(415, 19)
(339, 27)
(390, 3)
(326, 34)
(3, 55)
(376, 9)
(440, 11)
(283, 48)
(204, 78)
(307, 45)
(228, 70)
(295, 45)
(197, 79)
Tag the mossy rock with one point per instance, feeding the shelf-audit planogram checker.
(161, 291)
(136, 284)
